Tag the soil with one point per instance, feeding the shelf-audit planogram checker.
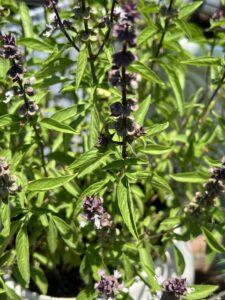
(63, 282)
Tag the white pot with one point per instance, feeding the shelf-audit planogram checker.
(25, 294)
(140, 291)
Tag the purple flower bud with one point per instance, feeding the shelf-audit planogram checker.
(132, 104)
(51, 3)
(16, 72)
(116, 109)
(104, 140)
(130, 10)
(95, 212)
(28, 109)
(124, 33)
(132, 80)
(123, 59)
(114, 76)
(174, 287)
(3, 166)
(79, 13)
(9, 49)
(125, 126)
(104, 22)
(29, 91)
(7, 39)
(218, 15)
(108, 285)
(213, 188)
(8, 185)
(139, 131)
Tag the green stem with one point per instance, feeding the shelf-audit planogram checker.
(62, 27)
(90, 54)
(36, 131)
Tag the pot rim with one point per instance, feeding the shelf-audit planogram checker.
(26, 294)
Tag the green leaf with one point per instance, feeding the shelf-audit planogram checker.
(156, 128)
(194, 177)
(185, 27)
(90, 161)
(65, 113)
(179, 260)
(86, 157)
(4, 67)
(155, 149)
(145, 72)
(169, 223)
(188, 9)
(201, 292)
(57, 126)
(95, 165)
(65, 232)
(5, 219)
(176, 87)
(6, 120)
(69, 112)
(84, 295)
(35, 44)
(148, 266)
(22, 253)
(160, 183)
(49, 183)
(26, 20)
(212, 242)
(125, 204)
(142, 111)
(81, 65)
(94, 126)
(203, 61)
(40, 279)
(94, 188)
(146, 34)
(52, 236)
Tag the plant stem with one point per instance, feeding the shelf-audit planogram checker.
(124, 103)
(107, 35)
(62, 27)
(164, 32)
(90, 54)
(37, 134)
(206, 109)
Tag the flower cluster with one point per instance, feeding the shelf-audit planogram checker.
(8, 185)
(218, 15)
(108, 285)
(174, 288)
(125, 33)
(213, 188)
(10, 51)
(95, 212)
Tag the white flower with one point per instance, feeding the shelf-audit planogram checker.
(8, 96)
(97, 222)
(116, 274)
(190, 290)
(82, 221)
(48, 31)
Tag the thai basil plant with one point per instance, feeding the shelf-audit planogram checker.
(111, 145)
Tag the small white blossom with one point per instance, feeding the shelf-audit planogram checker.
(97, 222)
(8, 96)
(117, 274)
